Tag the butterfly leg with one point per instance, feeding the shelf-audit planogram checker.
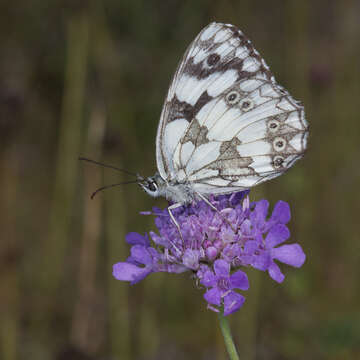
(172, 207)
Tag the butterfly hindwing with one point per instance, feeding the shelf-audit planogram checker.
(226, 123)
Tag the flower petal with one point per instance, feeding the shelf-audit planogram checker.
(226, 235)
(202, 270)
(277, 235)
(222, 268)
(239, 280)
(129, 272)
(230, 252)
(208, 279)
(251, 246)
(275, 273)
(213, 296)
(233, 302)
(258, 215)
(292, 255)
(158, 239)
(261, 261)
(130, 260)
(173, 268)
(235, 198)
(134, 238)
(245, 228)
(191, 259)
(140, 254)
(211, 253)
(281, 212)
(146, 271)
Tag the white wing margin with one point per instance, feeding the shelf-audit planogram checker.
(226, 124)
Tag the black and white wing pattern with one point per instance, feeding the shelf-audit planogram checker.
(226, 124)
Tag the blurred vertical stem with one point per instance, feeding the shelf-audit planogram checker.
(296, 62)
(69, 146)
(344, 137)
(118, 293)
(106, 61)
(226, 332)
(87, 332)
(9, 254)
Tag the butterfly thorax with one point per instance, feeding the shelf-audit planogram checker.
(173, 191)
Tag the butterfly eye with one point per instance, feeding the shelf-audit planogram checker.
(246, 104)
(279, 144)
(273, 125)
(232, 97)
(278, 161)
(152, 186)
(213, 59)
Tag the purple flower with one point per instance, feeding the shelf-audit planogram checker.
(222, 286)
(215, 245)
(141, 254)
(288, 254)
(261, 253)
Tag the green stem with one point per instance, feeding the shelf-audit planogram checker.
(229, 343)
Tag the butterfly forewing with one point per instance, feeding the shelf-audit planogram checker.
(226, 124)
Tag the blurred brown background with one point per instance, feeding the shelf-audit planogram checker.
(89, 78)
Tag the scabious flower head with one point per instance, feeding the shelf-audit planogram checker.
(216, 245)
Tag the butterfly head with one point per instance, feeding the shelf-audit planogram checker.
(152, 185)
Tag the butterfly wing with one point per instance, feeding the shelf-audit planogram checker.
(226, 124)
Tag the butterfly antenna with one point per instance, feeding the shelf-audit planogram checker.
(108, 166)
(110, 186)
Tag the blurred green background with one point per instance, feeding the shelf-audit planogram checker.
(89, 78)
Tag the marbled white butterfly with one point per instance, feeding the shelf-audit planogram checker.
(226, 124)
